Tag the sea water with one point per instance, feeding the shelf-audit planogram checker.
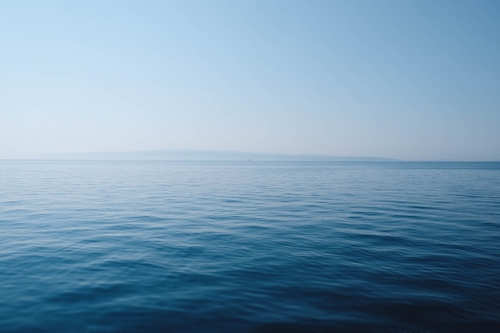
(164, 246)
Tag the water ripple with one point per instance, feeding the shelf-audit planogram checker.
(124, 246)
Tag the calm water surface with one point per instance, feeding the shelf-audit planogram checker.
(117, 246)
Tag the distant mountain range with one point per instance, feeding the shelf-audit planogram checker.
(205, 155)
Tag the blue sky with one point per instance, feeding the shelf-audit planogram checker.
(416, 80)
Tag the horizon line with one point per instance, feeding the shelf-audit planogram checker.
(223, 155)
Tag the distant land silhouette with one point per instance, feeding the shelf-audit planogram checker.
(202, 155)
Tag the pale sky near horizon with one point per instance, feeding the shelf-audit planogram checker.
(415, 80)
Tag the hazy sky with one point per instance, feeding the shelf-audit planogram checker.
(400, 79)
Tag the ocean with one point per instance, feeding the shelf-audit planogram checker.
(172, 246)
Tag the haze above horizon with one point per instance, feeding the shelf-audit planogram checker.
(393, 79)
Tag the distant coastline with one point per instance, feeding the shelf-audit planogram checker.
(200, 155)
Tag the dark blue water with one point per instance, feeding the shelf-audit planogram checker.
(117, 246)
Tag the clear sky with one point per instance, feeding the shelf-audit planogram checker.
(416, 80)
